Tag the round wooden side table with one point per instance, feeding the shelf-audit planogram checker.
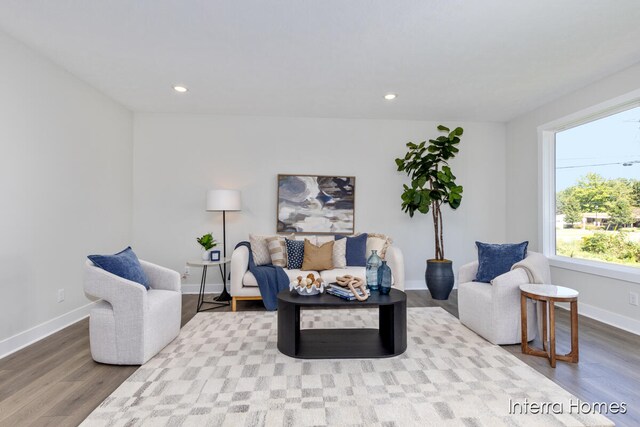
(548, 295)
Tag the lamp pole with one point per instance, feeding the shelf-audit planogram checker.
(224, 295)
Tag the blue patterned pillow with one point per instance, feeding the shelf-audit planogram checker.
(494, 259)
(295, 253)
(124, 264)
(356, 250)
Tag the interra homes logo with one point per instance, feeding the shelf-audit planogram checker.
(577, 406)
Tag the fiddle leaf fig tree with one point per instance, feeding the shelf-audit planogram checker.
(432, 182)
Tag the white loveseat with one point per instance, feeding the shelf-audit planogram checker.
(245, 287)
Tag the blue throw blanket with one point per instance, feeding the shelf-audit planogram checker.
(271, 279)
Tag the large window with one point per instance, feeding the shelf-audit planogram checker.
(597, 190)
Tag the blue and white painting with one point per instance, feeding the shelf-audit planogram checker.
(316, 204)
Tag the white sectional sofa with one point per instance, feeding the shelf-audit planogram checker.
(245, 287)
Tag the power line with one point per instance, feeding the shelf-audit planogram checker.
(599, 164)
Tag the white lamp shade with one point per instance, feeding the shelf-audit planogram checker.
(223, 200)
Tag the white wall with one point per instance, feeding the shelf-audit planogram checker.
(65, 184)
(178, 157)
(604, 298)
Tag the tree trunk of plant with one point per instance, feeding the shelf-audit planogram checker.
(437, 228)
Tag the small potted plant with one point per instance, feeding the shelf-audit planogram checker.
(433, 185)
(207, 242)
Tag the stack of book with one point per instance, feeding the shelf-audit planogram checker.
(344, 293)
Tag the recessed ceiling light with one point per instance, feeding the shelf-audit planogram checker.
(390, 96)
(180, 89)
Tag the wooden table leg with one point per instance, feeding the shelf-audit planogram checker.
(574, 332)
(545, 343)
(523, 323)
(552, 334)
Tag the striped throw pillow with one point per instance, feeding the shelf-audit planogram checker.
(277, 251)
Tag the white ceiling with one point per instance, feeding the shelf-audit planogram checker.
(447, 60)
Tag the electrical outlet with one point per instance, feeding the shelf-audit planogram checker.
(633, 298)
(60, 295)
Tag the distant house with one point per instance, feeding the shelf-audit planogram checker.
(601, 218)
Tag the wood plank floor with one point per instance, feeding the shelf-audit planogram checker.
(55, 382)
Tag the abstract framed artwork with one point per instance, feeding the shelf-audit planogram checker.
(316, 204)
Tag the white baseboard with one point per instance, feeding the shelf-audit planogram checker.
(415, 285)
(419, 285)
(193, 288)
(19, 341)
(605, 316)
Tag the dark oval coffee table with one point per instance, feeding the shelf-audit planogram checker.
(389, 340)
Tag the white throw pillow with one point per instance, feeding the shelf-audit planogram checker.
(378, 242)
(340, 253)
(260, 249)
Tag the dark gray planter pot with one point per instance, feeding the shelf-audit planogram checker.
(439, 278)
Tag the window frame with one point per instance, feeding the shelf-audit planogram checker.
(547, 189)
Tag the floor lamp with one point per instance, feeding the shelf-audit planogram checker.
(223, 201)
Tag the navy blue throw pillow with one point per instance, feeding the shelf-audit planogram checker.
(124, 264)
(356, 250)
(495, 259)
(295, 253)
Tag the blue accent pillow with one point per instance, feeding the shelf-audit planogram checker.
(124, 264)
(495, 259)
(356, 250)
(295, 253)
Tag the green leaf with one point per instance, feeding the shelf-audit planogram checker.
(458, 131)
(443, 128)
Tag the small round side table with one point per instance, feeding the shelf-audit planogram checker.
(224, 297)
(548, 295)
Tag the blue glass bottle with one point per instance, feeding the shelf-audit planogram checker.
(373, 264)
(384, 278)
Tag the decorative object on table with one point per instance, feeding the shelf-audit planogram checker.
(355, 284)
(309, 285)
(547, 296)
(373, 264)
(316, 204)
(317, 257)
(344, 293)
(497, 259)
(433, 185)
(214, 256)
(207, 242)
(223, 201)
(384, 278)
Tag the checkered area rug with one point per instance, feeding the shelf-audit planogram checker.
(225, 370)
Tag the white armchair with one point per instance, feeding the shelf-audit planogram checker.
(492, 310)
(130, 324)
